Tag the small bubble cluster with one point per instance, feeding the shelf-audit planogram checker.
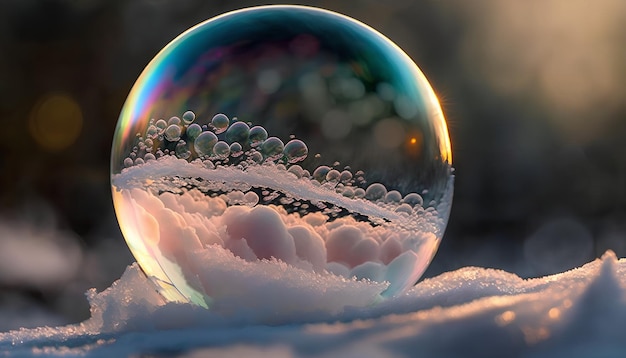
(223, 141)
(233, 143)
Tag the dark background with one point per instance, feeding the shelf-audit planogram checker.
(533, 92)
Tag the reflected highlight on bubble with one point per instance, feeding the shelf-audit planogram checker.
(307, 140)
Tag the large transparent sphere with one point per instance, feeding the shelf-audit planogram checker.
(281, 140)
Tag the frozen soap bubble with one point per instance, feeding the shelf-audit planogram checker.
(281, 140)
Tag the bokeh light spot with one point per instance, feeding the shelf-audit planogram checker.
(554, 313)
(505, 318)
(413, 144)
(389, 133)
(56, 121)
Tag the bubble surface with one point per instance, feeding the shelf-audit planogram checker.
(336, 143)
(257, 135)
(220, 123)
(295, 150)
(238, 132)
(204, 143)
(188, 117)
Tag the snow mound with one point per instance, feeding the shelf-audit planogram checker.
(471, 312)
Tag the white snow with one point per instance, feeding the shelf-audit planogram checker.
(471, 312)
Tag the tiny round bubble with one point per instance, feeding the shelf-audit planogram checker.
(281, 141)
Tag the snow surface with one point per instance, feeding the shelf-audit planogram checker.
(471, 312)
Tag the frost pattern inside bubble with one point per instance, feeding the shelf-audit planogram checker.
(287, 136)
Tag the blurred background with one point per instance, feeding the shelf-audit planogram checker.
(533, 92)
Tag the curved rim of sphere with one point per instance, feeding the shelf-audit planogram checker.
(143, 92)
